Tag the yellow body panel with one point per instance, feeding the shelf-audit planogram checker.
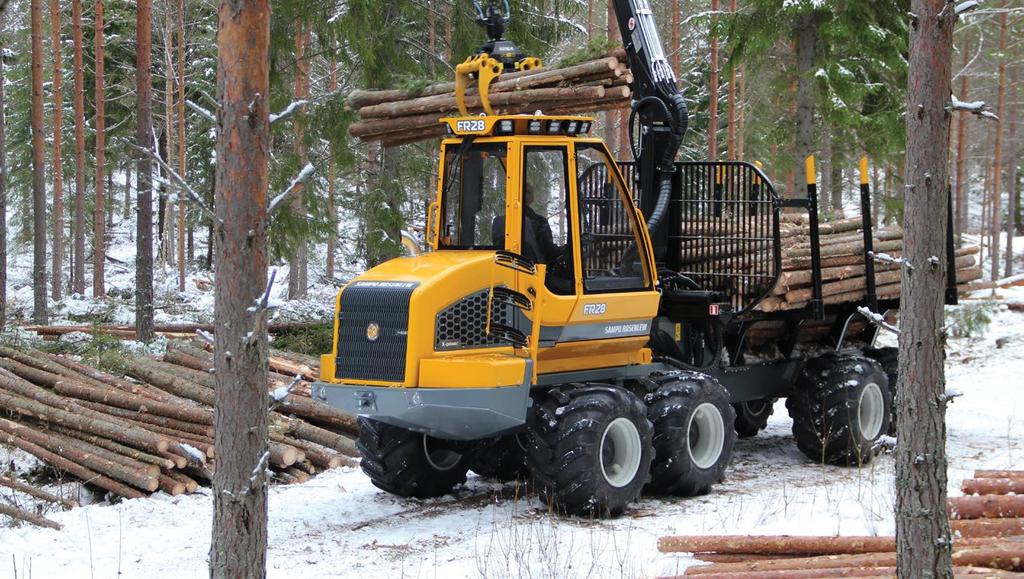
(586, 323)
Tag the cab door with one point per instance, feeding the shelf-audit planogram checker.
(611, 321)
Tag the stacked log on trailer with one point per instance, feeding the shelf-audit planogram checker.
(843, 271)
(395, 117)
(179, 331)
(988, 538)
(152, 428)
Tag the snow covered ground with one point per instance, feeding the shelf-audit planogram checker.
(338, 524)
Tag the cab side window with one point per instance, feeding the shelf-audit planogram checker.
(546, 219)
(612, 255)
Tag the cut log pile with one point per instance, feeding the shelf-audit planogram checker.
(153, 429)
(404, 116)
(987, 525)
(183, 331)
(842, 264)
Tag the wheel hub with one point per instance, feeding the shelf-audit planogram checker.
(705, 435)
(439, 457)
(620, 452)
(870, 411)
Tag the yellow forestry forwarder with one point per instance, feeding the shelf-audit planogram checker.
(596, 346)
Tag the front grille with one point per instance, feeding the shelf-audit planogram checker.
(386, 305)
(464, 323)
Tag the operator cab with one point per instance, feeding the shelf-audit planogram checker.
(532, 186)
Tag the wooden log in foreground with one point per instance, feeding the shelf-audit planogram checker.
(986, 506)
(992, 486)
(22, 515)
(867, 571)
(978, 528)
(775, 544)
(1014, 474)
(35, 492)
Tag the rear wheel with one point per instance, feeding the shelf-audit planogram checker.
(752, 416)
(889, 358)
(410, 464)
(841, 407)
(590, 450)
(502, 459)
(693, 433)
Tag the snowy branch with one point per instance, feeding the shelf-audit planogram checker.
(977, 107)
(202, 112)
(195, 197)
(877, 319)
(886, 258)
(966, 6)
(950, 394)
(299, 179)
(261, 308)
(281, 392)
(288, 111)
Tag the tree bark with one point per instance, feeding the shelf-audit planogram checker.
(806, 34)
(923, 539)
(28, 517)
(298, 270)
(961, 148)
(170, 151)
(1010, 167)
(731, 115)
(997, 161)
(99, 251)
(713, 87)
(78, 235)
(3, 182)
(182, 159)
(332, 173)
(56, 287)
(144, 173)
(38, 170)
(239, 544)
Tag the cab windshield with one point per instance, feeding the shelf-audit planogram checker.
(473, 196)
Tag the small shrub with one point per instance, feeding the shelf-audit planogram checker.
(971, 319)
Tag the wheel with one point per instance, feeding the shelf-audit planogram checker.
(502, 459)
(410, 464)
(840, 408)
(752, 416)
(693, 433)
(590, 449)
(889, 358)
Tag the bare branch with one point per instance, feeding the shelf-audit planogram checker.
(877, 319)
(966, 6)
(886, 258)
(294, 186)
(195, 197)
(979, 108)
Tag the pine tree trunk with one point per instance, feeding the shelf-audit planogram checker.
(742, 113)
(38, 170)
(922, 529)
(99, 250)
(3, 180)
(997, 162)
(960, 224)
(674, 50)
(57, 282)
(239, 543)
(182, 160)
(144, 170)
(332, 209)
(730, 141)
(1013, 119)
(611, 117)
(299, 267)
(170, 151)
(806, 56)
(78, 251)
(126, 206)
(713, 88)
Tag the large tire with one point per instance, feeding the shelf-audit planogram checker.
(590, 450)
(502, 459)
(752, 416)
(410, 464)
(889, 358)
(840, 408)
(693, 433)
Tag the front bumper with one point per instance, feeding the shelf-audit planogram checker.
(452, 413)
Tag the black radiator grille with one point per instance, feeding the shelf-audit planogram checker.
(386, 306)
(464, 323)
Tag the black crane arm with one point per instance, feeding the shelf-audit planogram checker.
(658, 106)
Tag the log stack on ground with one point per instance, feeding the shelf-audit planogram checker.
(988, 538)
(404, 116)
(134, 437)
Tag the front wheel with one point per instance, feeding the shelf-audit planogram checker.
(590, 451)
(841, 406)
(410, 464)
